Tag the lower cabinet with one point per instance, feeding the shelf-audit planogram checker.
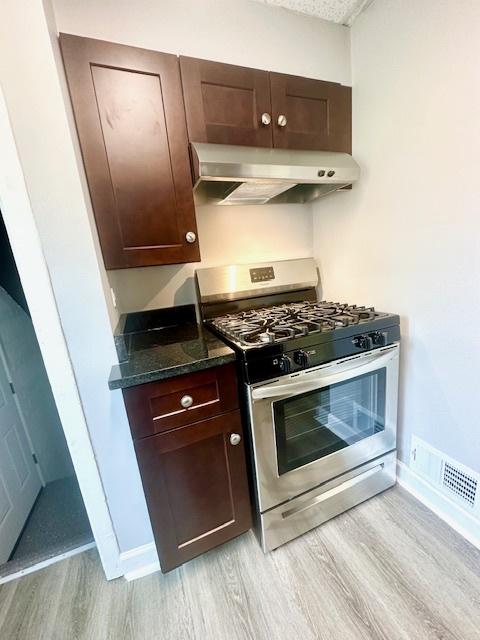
(196, 487)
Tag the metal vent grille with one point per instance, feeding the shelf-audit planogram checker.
(452, 478)
(460, 483)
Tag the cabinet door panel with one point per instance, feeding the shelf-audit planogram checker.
(319, 114)
(129, 112)
(224, 103)
(196, 487)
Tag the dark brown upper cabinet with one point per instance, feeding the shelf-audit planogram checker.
(130, 117)
(311, 114)
(224, 103)
(237, 105)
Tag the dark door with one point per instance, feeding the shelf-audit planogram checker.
(196, 487)
(130, 118)
(311, 114)
(225, 103)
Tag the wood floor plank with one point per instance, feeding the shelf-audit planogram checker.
(399, 606)
(33, 608)
(430, 547)
(387, 570)
(160, 607)
(7, 593)
(244, 589)
(418, 578)
(318, 564)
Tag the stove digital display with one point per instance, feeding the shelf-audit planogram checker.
(262, 274)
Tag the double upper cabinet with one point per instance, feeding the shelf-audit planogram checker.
(136, 111)
(227, 104)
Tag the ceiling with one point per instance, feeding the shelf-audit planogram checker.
(339, 11)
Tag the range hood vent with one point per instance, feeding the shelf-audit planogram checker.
(229, 175)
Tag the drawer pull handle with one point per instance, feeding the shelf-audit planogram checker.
(186, 401)
(282, 120)
(235, 439)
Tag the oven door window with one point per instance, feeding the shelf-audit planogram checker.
(313, 425)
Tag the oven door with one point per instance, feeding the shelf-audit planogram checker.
(312, 426)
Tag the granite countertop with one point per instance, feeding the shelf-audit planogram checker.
(164, 343)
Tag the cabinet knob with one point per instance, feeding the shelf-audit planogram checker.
(235, 438)
(186, 401)
(266, 119)
(282, 120)
(190, 237)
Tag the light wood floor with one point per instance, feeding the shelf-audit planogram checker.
(387, 569)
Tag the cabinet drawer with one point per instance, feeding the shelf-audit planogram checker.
(167, 404)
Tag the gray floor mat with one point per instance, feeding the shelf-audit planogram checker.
(57, 523)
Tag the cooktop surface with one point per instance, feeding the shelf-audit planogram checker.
(278, 323)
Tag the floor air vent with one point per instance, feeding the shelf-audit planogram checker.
(460, 483)
(452, 478)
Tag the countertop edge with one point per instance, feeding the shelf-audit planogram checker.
(169, 372)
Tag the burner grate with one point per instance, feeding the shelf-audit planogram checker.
(283, 322)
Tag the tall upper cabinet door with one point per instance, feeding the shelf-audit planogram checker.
(225, 103)
(311, 114)
(130, 118)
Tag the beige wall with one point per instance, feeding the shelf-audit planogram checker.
(238, 32)
(407, 238)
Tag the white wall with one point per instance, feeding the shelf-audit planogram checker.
(34, 395)
(407, 238)
(238, 32)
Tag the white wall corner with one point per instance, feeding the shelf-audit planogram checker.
(450, 512)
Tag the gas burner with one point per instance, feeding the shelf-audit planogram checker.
(268, 325)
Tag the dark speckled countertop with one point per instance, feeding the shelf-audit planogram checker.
(164, 343)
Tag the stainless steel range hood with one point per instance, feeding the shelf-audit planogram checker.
(228, 175)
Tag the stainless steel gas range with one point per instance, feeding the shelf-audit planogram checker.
(320, 388)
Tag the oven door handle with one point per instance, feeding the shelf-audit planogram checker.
(291, 388)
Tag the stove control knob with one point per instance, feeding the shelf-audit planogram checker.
(378, 339)
(285, 364)
(301, 358)
(363, 342)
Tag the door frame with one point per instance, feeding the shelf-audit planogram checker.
(32, 268)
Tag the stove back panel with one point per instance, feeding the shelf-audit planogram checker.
(254, 282)
(215, 309)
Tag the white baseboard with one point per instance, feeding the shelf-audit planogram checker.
(450, 512)
(139, 562)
